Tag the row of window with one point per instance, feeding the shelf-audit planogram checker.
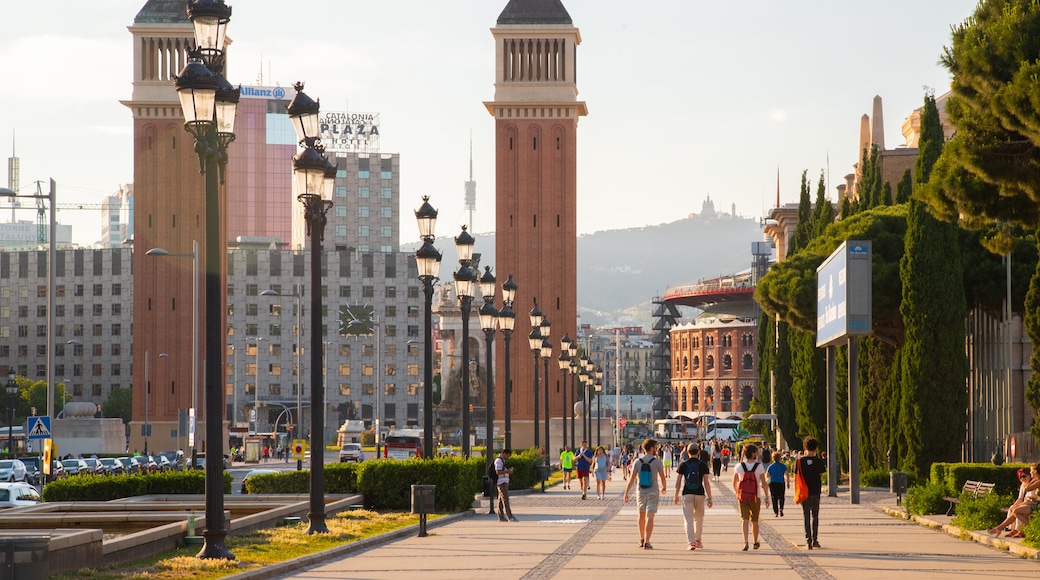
(364, 231)
(252, 329)
(60, 290)
(684, 363)
(275, 389)
(115, 309)
(22, 331)
(275, 349)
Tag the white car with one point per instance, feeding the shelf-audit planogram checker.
(351, 452)
(18, 494)
(12, 470)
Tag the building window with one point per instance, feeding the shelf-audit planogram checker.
(362, 174)
(98, 289)
(341, 231)
(363, 230)
(385, 231)
(362, 191)
(362, 211)
(386, 211)
(341, 191)
(386, 192)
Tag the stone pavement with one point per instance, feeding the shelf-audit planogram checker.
(559, 535)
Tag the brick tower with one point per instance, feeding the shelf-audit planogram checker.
(536, 118)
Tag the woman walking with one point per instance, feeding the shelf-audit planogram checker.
(601, 469)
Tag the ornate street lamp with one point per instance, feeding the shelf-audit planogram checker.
(599, 406)
(535, 342)
(488, 322)
(209, 104)
(546, 352)
(565, 365)
(428, 263)
(310, 168)
(572, 352)
(12, 390)
(465, 279)
(507, 321)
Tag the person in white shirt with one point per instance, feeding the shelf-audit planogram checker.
(505, 514)
(749, 491)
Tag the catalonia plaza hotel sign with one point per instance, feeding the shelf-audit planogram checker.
(341, 132)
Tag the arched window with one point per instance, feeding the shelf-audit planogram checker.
(695, 399)
(696, 362)
(748, 362)
(685, 364)
(727, 362)
(727, 398)
(709, 362)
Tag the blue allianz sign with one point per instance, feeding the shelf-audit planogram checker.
(843, 294)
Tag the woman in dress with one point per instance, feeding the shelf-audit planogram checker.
(1027, 502)
(601, 469)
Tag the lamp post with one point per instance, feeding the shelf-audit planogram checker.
(428, 263)
(599, 407)
(535, 342)
(565, 365)
(234, 386)
(572, 353)
(299, 367)
(583, 375)
(488, 322)
(194, 255)
(12, 390)
(507, 321)
(546, 352)
(465, 277)
(310, 171)
(209, 103)
(51, 283)
(147, 390)
(256, 390)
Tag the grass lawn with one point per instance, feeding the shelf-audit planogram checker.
(255, 550)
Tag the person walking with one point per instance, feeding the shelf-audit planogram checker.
(505, 513)
(811, 468)
(567, 465)
(716, 460)
(645, 470)
(582, 464)
(693, 481)
(666, 458)
(749, 483)
(779, 478)
(601, 466)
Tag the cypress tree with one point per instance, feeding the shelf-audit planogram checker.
(1032, 327)
(905, 187)
(934, 367)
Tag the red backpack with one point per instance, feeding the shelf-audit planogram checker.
(747, 488)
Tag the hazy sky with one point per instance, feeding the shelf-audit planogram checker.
(686, 98)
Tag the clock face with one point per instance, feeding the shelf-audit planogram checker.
(356, 320)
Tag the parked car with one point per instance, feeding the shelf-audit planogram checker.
(33, 469)
(112, 466)
(130, 464)
(12, 470)
(76, 467)
(200, 461)
(255, 472)
(57, 471)
(149, 463)
(351, 452)
(175, 459)
(94, 466)
(18, 494)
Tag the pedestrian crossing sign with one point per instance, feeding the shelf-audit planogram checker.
(39, 427)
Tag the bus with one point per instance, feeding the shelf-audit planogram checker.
(675, 430)
(403, 444)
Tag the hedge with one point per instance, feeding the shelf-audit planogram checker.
(105, 488)
(953, 475)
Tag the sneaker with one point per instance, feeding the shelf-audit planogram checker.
(815, 544)
(697, 544)
(781, 513)
(502, 520)
(647, 546)
(641, 542)
(583, 496)
(808, 544)
(744, 549)
(513, 519)
(691, 547)
(757, 545)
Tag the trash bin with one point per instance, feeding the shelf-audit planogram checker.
(422, 499)
(897, 482)
(542, 472)
(24, 557)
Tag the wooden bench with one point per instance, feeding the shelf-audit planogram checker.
(976, 489)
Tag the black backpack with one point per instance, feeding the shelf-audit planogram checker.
(693, 476)
(492, 474)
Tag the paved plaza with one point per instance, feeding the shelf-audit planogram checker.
(561, 536)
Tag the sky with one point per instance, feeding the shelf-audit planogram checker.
(686, 98)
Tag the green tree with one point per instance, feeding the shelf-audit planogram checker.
(905, 187)
(1032, 324)
(119, 404)
(803, 232)
(824, 210)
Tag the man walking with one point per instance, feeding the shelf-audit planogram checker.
(567, 465)
(504, 512)
(749, 484)
(693, 481)
(583, 463)
(811, 468)
(645, 470)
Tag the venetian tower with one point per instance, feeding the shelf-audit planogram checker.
(536, 120)
(169, 204)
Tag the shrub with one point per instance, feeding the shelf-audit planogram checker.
(927, 499)
(953, 476)
(874, 478)
(981, 513)
(1032, 532)
(105, 488)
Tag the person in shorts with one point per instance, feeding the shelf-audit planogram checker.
(647, 498)
(749, 491)
(567, 465)
(693, 500)
(583, 463)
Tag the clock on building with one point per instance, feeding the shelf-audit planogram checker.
(356, 320)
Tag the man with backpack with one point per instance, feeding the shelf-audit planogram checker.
(749, 481)
(694, 483)
(811, 468)
(644, 471)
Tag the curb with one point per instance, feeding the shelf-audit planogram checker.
(297, 564)
(978, 537)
